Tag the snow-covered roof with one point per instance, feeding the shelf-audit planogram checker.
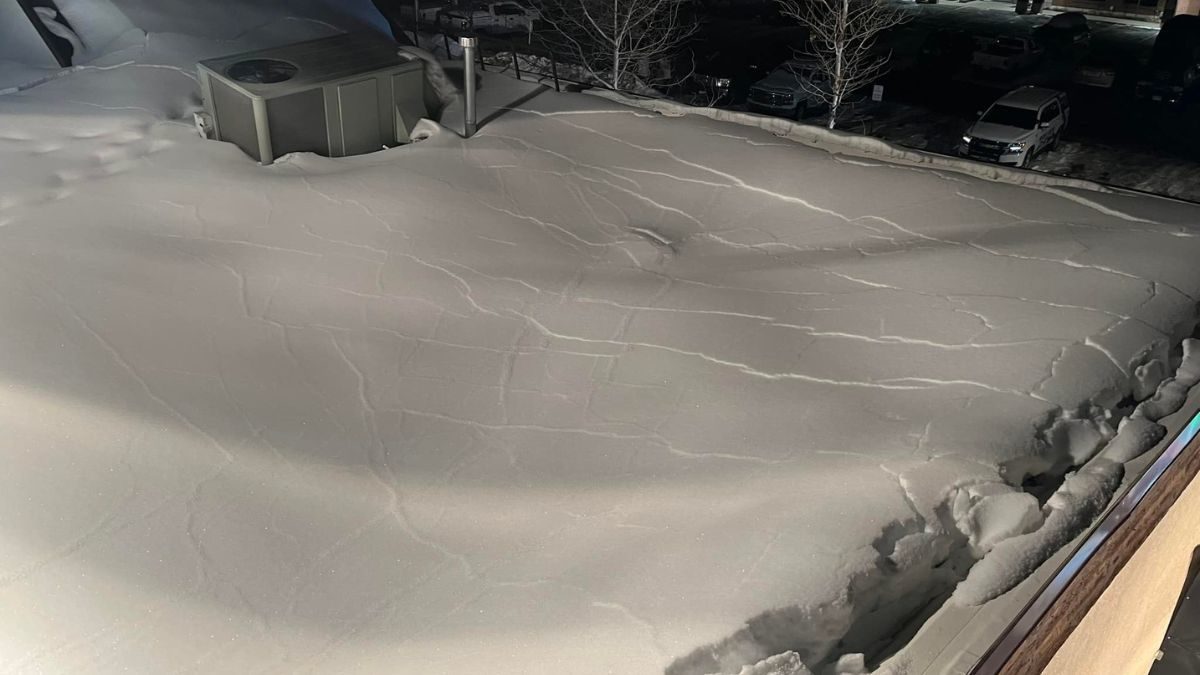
(316, 61)
(1029, 98)
(594, 391)
(23, 52)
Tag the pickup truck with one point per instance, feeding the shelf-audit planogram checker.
(490, 17)
(789, 90)
(1018, 126)
(1007, 55)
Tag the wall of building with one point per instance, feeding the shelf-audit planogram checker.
(1123, 631)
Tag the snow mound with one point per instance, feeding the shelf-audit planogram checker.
(1082, 496)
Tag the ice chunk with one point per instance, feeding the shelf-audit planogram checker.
(787, 663)
(851, 664)
(1080, 437)
(1002, 516)
(1147, 377)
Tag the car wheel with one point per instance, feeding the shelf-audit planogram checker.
(1054, 141)
(1028, 158)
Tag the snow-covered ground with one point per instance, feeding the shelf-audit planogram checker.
(596, 391)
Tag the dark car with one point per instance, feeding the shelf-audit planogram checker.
(1063, 31)
(946, 48)
(1097, 71)
(1174, 62)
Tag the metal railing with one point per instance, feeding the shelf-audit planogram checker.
(523, 53)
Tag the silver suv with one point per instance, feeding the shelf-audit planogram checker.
(1018, 126)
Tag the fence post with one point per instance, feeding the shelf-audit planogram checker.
(554, 70)
(516, 64)
(446, 42)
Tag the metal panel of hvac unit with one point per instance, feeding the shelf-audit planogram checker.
(343, 95)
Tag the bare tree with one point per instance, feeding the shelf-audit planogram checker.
(843, 45)
(619, 42)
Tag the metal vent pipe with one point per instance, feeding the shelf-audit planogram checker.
(469, 44)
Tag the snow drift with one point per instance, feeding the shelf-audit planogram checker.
(594, 391)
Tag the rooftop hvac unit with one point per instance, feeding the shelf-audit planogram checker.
(343, 95)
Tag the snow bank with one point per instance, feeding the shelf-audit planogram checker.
(1082, 497)
(841, 141)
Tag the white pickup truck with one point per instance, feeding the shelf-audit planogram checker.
(1018, 126)
(1007, 55)
(490, 17)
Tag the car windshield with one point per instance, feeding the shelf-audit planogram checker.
(1010, 117)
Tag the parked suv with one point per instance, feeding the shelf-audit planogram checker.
(1018, 126)
(788, 90)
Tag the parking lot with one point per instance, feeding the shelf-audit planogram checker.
(1112, 137)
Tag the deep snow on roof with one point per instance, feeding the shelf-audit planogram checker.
(585, 393)
(1030, 98)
